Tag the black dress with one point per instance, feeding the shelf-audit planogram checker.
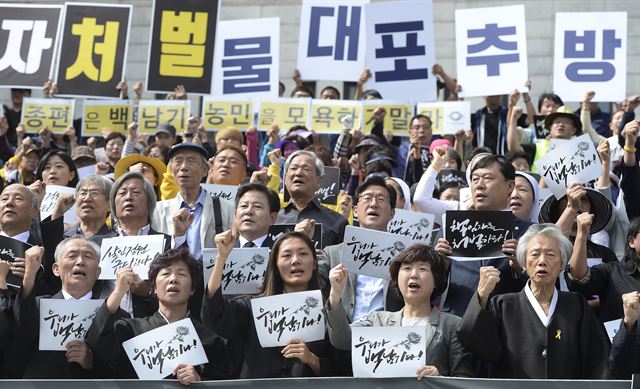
(108, 331)
(233, 319)
(511, 337)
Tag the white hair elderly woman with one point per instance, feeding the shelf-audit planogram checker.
(539, 332)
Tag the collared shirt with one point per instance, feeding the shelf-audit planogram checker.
(257, 242)
(369, 296)
(544, 318)
(76, 231)
(67, 296)
(333, 223)
(22, 237)
(143, 231)
(193, 232)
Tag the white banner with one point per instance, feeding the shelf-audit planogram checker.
(247, 58)
(283, 317)
(332, 36)
(401, 49)
(369, 252)
(243, 272)
(156, 353)
(447, 117)
(62, 321)
(590, 55)
(387, 351)
(575, 160)
(491, 50)
(136, 252)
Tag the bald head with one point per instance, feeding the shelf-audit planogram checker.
(18, 206)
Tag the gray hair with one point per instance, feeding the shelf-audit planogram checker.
(148, 188)
(103, 183)
(63, 245)
(549, 230)
(317, 161)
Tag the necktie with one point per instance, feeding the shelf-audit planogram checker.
(249, 244)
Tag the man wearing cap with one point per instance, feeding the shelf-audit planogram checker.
(303, 172)
(83, 156)
(209, 216)
(165, 135)
(562, 124)
(27, 160)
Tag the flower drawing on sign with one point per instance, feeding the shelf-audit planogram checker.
(256, 260)
(583, 147)
(412, 338)
(396, 248)
(309, 303)
(423, 223)
(181, 332)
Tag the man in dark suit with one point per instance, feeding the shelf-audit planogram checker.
(492, 181)
(132, 201)
(76, 263)
(256, 210)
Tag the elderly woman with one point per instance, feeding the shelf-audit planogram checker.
(539, 332)
(292, 267)
(173, 276)
(421, 275)
(152, 169)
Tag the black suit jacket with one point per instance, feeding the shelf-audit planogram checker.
(24, 360)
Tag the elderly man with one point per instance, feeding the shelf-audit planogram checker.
(420, 134)
(302, 177)
(256, 210)
(207, 216)
(492, 182)
(132, 201)
(229, 166)
(374, 204)
(76, 264)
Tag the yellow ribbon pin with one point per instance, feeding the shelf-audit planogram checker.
(558, 334)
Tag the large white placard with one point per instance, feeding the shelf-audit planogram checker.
(369, 252)
(136, 252)
(156, 353)
(401, 49)
(51, 194)
(243, 272)
(332, 36)
(247, 58)
(283, 317)
(491, 50)
(590, 55)
(62, 321)
(575, 160)
(387, 351)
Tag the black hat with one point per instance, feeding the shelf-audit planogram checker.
(167, 129)
(380, 156)
(188, 146)
(601, 208)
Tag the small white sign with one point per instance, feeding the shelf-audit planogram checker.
(576, 160)
(224, 192)
(415, 225)
(85, 171)
(612, 328)
(51, 194)
(156, 353)
(447, 117)
(369, 252)
(243, 272)
(283, 317)
(387, 351)
(136, 252)
(62, 321)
